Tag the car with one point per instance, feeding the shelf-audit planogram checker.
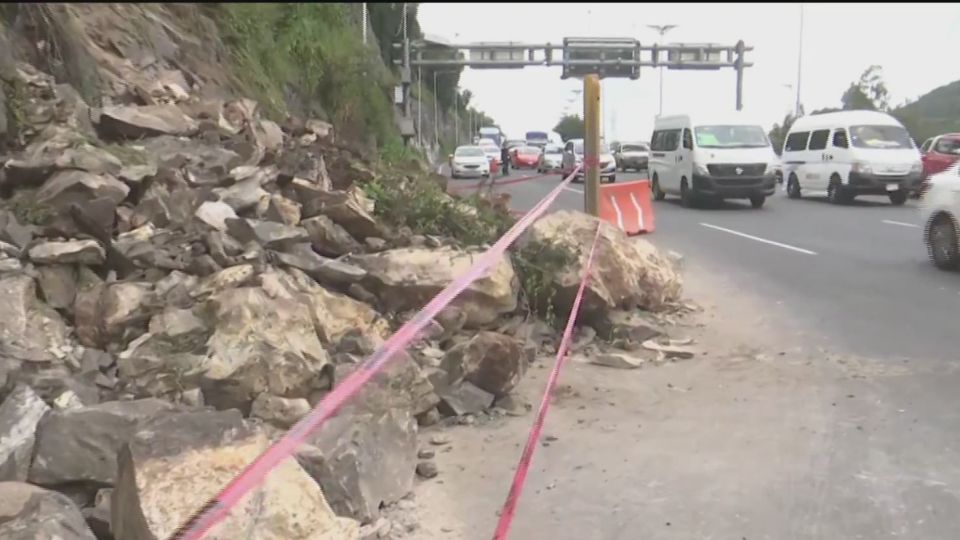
(573, 156)
(632, 155)
(551, 159)
(940, 217)
(939, 153)
(719, 156)
(525, 157)
(492, 152)
(537, 138)
(469, 162)
(850, 153)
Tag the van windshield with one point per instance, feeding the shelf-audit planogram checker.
(731, 137)
(880, 137)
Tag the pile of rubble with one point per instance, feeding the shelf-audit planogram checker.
(182, 280)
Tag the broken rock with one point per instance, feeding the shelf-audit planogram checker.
(215, 214)
(281, 412)
(33, 513)
(132, 122)
(329, 238)
(19, 415)
(613, 360)
(29, 329)
(464, 398)
(80, 187)
(87, 252)
(350, 209)
(493, 362)
(266, 233)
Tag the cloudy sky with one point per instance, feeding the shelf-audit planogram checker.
(916, 44)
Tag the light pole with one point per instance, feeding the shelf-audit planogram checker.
(661, 29)
(419, 108)
(799, 61)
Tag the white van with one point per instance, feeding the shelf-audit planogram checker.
(850, 153)
(719, 157)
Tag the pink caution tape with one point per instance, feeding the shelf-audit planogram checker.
(520, 477)
(217, 508)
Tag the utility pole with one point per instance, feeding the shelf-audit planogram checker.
(419, 108)
(799, 62)
(436, 112)
(591, 144)
(661, 29)
(456, 115)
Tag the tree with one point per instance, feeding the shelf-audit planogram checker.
(779, 132)
(570, 127)
(869, 93)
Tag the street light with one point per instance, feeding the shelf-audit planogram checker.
(661, 29)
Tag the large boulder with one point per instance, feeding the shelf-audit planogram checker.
(19, 416)
(350, 209)
(330, 239)
(363, 461)
(408, 278)
(75, 186)
(81, 445)
(260, 344)
(132, 122)
(29, 329)
(401, 385)
(174, 465)
(627, 272)
(87, 252)
(33, 513)
(493, 362)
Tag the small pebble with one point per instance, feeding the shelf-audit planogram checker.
(427, 469)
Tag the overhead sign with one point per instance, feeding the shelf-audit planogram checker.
(605, 57)
(696, 54)
(494, 55)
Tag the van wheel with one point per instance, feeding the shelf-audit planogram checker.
(835, 193)
(686, 195)
(793, 187)
(897, 198)
(658, 194)
(942, 243)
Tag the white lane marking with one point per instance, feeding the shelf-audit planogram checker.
(758, 239)
(636, 204)
(616, 209)
(900, 223)
(573, 189)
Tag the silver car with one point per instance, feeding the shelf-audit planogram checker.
(634, 156)
(573, 156)
(469, 162)
(551, 159)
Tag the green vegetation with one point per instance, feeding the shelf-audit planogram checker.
(15, 97)
(535, 264)
(933, 114)
(570, 127)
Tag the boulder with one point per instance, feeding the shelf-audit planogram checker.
(81, 445)
(175, 464)
(330, 239)
(20, 413)
(350, 209)
(13, 232)
(323, 270)
(266, 233)
(407, 278)
(464, 398)
(401, 385)
(124, 306)
(87, 157)
(282, 210)
(260, 344)
(215, 214)
(243, 195)
(86, 252)
(335, 315)
(627, 272)
(363, 461)
(133, 122)
(58, 285)
(80, 187)
(493, 362)
(33, 513)
(281, 412)
(29, 329)
(98, 515)
(203, 164)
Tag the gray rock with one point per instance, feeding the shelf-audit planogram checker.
(80, 187)
(350, 209)
(266, 233)
(464, 398)
(243, 195)
(215, 214)
(629, 326)
(613, 360)
(123, 308)
(203, 164)
(12, 231)
(402, 384)
(322, 269)
(33, 513)
(374, 244)
(427, 469)
(282, 210)
(58, 385)
(136, 174)
(88, 252)
(173, 464)
(281, 412)
(87, 157)
(330, 239)
(98, 516)
(363, 461)
(20, 413)
(133, 122)
(29, 329)
(81, 445)
(58, 285)
(491, 361)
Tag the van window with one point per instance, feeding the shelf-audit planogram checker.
(655, 140)
(687, 139)
(731, 137)
(797, 142)
(665, 140)
(818, 139)
(840, 138)
(880, 137)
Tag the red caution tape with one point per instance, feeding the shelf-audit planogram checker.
(520, 477)
(217, 508)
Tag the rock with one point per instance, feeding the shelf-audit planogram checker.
(136, 174)
(627, 272)
(319, 128)
(514, 406)
(464, 398)
(336, 315)
(375, 245)
(13, 231)
(20, 413)
(279, 411)
(29, 329)
(282, 210)
(266, 233)
(33, 513)
(429, 418)
(215, 214)
(377, 530)
(80, 187)
(226, 279)
(272, 135)
(330, 239)
(406, 279)
(427, 469)
(81, 445)
(670, 350)
(87, 252)
(323, 270)
(175, 464)
(260, 344)
(440, 440)
(357, 292)
(402, 384)
(98, 516)
(58, 285)
(628, 326)
(613, 360)
(132, 122)
(123, 306)
(202, 164)
(491, 361)
(426, 454)
(363, 461)
(351, 209)
(87, 157)
(243, 195)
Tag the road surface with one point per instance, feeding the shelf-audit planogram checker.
(824, 405)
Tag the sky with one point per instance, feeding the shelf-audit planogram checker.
(914, 43)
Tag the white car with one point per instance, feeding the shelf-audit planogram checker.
(551, 160)
(469, 162)
(940, 218)
(491, 150)
(573, 156)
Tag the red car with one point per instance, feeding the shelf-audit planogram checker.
(525, 157)
(939, 153)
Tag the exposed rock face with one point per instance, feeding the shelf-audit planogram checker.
(176, 463)
(29, 329)
(19, 415)
(32, 513)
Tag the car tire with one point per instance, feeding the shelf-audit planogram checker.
(941, 241)
(757, 201)
(835, 193)
(793, 188)
(687, 198)
(658, 194)
(613, 179)
(898, 198)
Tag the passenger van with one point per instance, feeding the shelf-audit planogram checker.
(725, 156)
(850, 153)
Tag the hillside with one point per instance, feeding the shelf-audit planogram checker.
(936, 112)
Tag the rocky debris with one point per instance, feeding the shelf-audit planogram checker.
(31, 513)
(215, 214)
(613, 360)
(129, 122)
(86, 252)
(363, 461)
(20, 413)
(176, 463)
(281, 412)
(493, 362)
(427, 469)
(351, 209)
(464, 398)
(330, 239)
(672, 348)
(29, 329)
(98, 515)
(628, 273)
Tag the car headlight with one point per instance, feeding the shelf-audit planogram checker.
(916, 167)
(771, 168)
(861, 167)
(701, 169)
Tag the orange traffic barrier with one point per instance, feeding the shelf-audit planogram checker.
(627, 206)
